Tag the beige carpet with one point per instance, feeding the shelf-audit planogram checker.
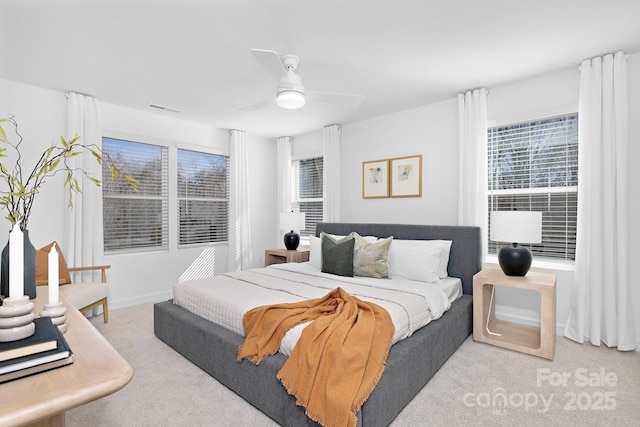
(480, 385)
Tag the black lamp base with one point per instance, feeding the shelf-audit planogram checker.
(291, 240)
(515, 260)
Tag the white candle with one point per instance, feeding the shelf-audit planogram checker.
(16, 263)
(54, 280)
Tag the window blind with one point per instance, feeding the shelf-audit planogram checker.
(134, 220)
(306, 177)
(203, 197)
(533, 166)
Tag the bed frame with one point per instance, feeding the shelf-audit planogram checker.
(410, 364)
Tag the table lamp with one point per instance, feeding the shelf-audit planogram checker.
(292, 221)
(516, 227)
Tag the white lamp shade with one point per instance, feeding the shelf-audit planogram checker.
(290, 99)
(292, 221)
(516, 226)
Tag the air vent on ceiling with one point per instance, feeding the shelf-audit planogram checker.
(162, 107)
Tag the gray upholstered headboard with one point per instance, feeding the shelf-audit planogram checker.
(465, 258)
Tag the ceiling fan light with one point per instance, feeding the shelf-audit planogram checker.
(290, 99)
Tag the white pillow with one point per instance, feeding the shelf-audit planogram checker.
(315, 252)
(444, 259)
(414, 262)
(443, 245)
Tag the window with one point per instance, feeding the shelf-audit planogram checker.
(533, 166)
(306, 177)
(135, 220)
(203, 197)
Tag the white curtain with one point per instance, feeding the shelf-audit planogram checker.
(239, 215)
(472, 161)
(284, 179)
(83, 243)
(331, 136)
(601, 302)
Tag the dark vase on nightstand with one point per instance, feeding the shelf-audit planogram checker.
(291, 240)
(515, 260)
(29, 268)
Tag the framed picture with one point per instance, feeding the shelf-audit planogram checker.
(375, 179)
(406, 176)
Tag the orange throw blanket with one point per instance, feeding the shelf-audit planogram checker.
(338, 359)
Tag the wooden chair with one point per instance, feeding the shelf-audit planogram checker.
(85, 296)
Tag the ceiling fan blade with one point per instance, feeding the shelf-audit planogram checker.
(258, 105)
(346, 99)
(271, 62)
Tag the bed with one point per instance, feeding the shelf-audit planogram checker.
(410, 364)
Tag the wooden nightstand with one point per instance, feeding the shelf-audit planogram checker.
(279, 256)
(515, 336)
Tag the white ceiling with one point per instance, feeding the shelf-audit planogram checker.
(194, 55)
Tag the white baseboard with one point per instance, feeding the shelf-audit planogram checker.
(114, 304)
(526, 320)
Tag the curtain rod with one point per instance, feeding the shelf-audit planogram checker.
(626, 56)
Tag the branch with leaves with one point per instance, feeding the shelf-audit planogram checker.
(22, 189)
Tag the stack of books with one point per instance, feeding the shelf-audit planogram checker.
(44, 350)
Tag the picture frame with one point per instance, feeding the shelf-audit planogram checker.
(375, 179)
(405, 176)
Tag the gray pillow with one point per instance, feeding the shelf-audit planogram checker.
(337, 255)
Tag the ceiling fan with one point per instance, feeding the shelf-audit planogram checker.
(290, 93)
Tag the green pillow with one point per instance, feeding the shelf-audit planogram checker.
(337, 255)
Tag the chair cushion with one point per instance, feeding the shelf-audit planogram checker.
(83, 294)
(42, 266)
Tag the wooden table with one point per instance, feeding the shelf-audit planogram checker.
(279, 256)
(42, 399)
(487, 328)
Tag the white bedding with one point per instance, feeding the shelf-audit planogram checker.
(225, 298)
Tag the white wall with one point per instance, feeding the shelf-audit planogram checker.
(306, 146)
(429, 131)
(136, 277)
(262, 197)
(432, 131)
(41, 116)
